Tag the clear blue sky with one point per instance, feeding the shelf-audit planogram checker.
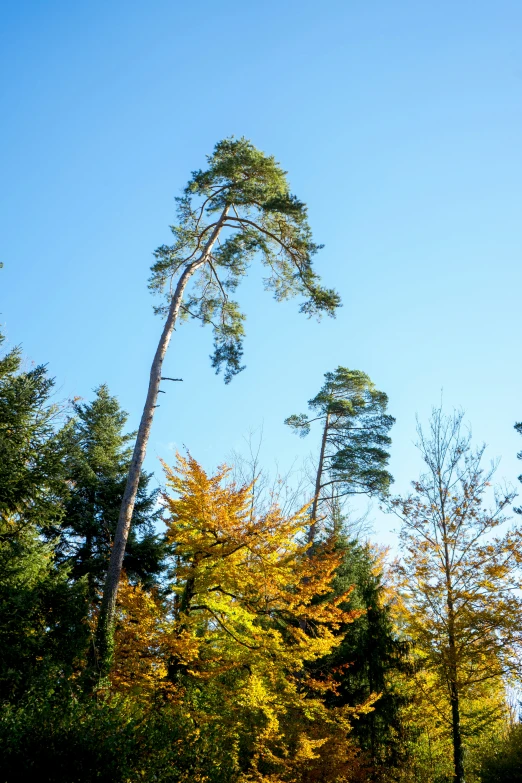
(400, 124)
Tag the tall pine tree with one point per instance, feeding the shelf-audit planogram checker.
(238, 209)
(354, 454)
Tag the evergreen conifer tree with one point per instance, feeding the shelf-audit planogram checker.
(97, 466)
(371, 656)
(353, 454)
(32, 449)
(40, 610)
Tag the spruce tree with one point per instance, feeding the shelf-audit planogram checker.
(41, 611)
(32, 449)
(97, 465)
(371, 656)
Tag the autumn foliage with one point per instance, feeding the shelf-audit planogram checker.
(245, 649)
(227, 638)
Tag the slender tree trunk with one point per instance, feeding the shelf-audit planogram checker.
(458, 749)
(105, 628)
(313, 515)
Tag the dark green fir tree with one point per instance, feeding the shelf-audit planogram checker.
(370, 659)
(41, 610)
(32, 448)
(97, 466)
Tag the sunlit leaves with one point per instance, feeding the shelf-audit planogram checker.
(458, 579)
(227, 641)
(245, 196)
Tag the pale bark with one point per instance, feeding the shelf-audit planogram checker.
(312, 529)
(313, 515)
(106, 620)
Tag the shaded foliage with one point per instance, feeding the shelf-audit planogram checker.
(31, 448)
(64, 738)
(504, 763)
(97, 463)
(370, 659)
(41, 611)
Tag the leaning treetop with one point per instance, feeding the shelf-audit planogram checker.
(238, 208)
(245, 195)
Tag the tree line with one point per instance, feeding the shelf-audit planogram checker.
(202, 632)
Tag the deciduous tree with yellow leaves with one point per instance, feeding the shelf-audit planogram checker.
(229, 642)
(459, 576)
